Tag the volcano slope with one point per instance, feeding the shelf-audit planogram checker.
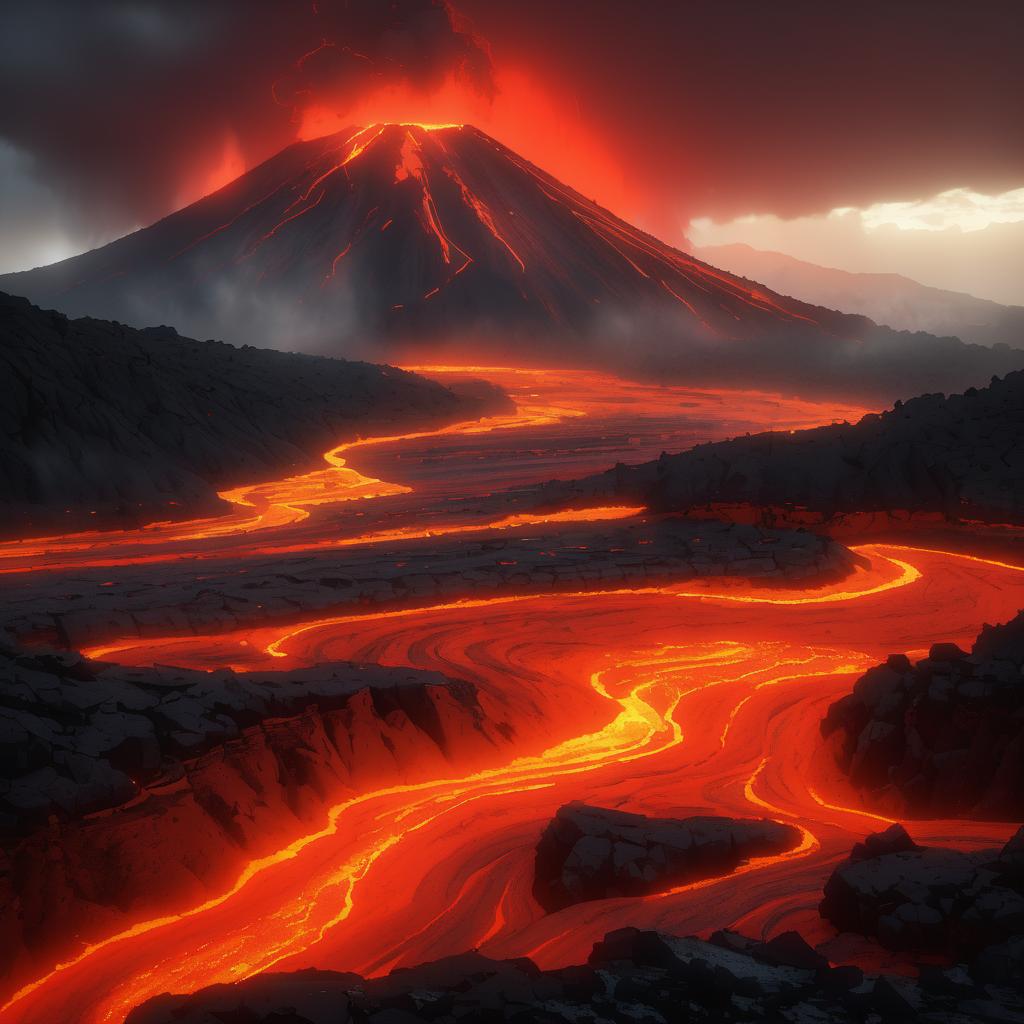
(101, 420)
(396, 232)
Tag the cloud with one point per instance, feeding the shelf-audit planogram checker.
(956, 208)
(368, 45)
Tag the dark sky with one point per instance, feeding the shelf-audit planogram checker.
(117, 111)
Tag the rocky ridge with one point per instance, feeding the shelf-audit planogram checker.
(630, 976)
(593, 853)
(102, 424)
(960, 456)
(127, 790)
(911, 897)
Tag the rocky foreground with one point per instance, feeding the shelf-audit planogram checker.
(940, 738)
(102, 424)
(911, 897)
(125, 791)
(960, 456)
(631, 976)
(594, 853)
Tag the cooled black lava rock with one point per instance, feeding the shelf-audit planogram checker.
(102, 424)
(593, 853)
(928, 898)
(961, 456)
(942, 737)
(631, 976)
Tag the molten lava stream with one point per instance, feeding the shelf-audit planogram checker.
(664, 700)
(280, 511)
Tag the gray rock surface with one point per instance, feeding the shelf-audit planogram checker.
(631, 976)
(124, 792)
(102, 424)
(961, 456)
(593, 853)
(943, 737)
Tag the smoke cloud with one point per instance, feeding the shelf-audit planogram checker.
(368, 45)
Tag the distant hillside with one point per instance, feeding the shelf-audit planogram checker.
(890, 299)
(132, 425)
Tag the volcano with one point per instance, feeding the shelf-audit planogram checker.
(375, 239)
(398, 228)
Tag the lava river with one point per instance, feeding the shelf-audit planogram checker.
(670, 700)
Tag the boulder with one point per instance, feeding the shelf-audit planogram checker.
(593, 853)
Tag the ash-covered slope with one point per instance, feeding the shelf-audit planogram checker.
(961, 456)
(130, 425)
(392, 233)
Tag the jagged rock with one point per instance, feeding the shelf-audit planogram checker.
(193, 769)
(941, 738)
(960, 456)
(631, 976)
(592, 853)
(927, 898)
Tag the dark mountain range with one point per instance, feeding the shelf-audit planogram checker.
(376, 239)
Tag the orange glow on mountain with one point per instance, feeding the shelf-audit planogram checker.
(229, 165)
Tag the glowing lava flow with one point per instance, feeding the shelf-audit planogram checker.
(544, 398)
(652, 703)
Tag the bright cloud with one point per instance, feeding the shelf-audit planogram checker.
(958, 208)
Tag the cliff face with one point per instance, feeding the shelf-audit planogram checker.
(142, 791)
(104, 424)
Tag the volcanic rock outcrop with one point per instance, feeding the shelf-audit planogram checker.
(594, 853)
(104, 424)
(960, 456)
(943, 737)
(630, 976)
(390, 233)
(929, 898)
(191, 770)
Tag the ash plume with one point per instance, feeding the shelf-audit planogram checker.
(367, 45)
